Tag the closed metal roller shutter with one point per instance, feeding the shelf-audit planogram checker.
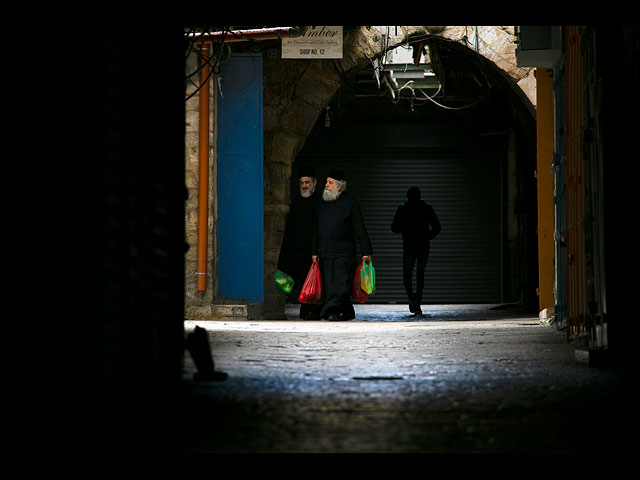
(462, 183)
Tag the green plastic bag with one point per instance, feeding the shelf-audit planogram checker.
(368, 278)
(284, 282)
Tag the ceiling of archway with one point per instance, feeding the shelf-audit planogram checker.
(467, 88)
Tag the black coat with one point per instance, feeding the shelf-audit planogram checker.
(298, 233)
(417, 222)
(339, 224)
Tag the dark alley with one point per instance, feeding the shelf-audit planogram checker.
(152, 175)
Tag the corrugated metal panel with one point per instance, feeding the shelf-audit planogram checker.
(594, 193)
(560, 200)
(461, 183)
(544, 176)
(575, 189)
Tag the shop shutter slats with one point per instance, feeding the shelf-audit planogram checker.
(462, 183)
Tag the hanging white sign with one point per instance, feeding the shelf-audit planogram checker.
(316, 42)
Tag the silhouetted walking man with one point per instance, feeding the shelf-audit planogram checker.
(418, 223)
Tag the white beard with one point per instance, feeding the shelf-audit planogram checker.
(308, 193)
(330, 195)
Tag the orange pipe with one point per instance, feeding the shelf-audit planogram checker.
(203, 173)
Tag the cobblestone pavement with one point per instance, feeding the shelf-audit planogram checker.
(459, 379)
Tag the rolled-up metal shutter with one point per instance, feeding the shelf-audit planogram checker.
(461, 180)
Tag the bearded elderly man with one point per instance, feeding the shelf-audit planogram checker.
(339, 223)
(295, 251)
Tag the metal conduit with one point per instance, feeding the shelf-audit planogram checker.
(203, 171)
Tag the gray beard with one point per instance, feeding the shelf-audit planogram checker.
(330, 195)
(308, 193)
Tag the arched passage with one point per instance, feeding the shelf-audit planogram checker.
(472, 154)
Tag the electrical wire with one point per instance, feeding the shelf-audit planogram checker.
(213, 61)
(427, 97)
(208, 61)
(446, 106)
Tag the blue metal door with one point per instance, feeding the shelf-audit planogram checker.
(240, 180)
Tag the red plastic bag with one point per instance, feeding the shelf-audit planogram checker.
(312, 288)
(357, 293)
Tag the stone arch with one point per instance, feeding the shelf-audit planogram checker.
(296, 93)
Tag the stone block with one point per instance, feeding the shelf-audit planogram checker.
(272, 240)
(254, 311)
(198, 313)
(283, 71)
(271, 116)
(192, 122)
(273, 307)
(301, 117)
(284, 147)
(271, 257)
(220, 310)
(191, 180)
(318, 84)
(278, 95)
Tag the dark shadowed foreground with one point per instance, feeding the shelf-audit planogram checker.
(459, 379)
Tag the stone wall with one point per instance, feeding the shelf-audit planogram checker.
(199, 305)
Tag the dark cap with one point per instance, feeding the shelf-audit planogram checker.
(337, 174)
(307, 172)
